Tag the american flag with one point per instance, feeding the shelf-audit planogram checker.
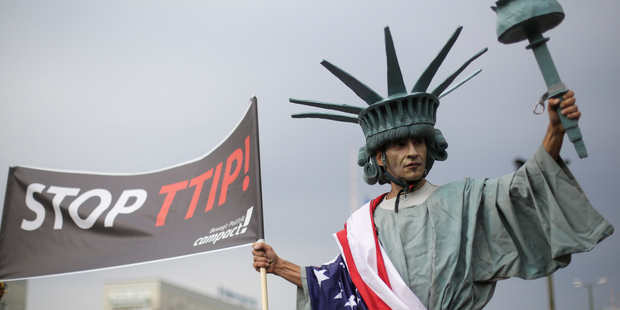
(362, 270)
(330, 287)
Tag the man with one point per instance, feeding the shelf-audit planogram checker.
(422, 246)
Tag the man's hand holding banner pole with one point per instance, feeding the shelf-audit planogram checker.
(59, 222)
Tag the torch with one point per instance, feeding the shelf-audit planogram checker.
(518, 20)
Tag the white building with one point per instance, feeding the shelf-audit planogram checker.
(15, 296)
(159, 295)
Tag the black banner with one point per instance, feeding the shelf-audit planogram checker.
(59, 222)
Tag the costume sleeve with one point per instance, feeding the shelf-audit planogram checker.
(530, 222)
(303, 298)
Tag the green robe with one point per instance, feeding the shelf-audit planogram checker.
(453, 248)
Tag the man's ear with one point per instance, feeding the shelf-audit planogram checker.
(379, 158)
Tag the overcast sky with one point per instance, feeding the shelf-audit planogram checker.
(135, 86)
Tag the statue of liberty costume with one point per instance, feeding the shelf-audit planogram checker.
(443, 247)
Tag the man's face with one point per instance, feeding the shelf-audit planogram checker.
(406, 158)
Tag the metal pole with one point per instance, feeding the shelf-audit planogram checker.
(589, 286)
(551, 294)
(590, 297)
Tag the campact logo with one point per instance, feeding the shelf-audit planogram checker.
(228, 230)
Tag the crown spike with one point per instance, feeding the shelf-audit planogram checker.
(428, 74)
(463, 81)
(362, 91)
(396, 84)
(327, 116)
(330, 106)
(454, 75)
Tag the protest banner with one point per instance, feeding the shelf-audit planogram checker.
(57, 222)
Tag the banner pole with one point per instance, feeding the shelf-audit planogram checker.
(261, 229)
(263, 283)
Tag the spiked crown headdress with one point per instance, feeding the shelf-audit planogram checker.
(401, 114)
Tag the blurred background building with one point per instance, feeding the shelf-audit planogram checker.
(159, 295)
(15, 296)
(612, 302)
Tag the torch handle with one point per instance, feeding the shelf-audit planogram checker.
(538, 45)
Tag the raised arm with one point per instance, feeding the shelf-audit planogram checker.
(555, 131)
(266, 257)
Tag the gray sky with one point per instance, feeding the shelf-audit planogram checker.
(134, 86)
